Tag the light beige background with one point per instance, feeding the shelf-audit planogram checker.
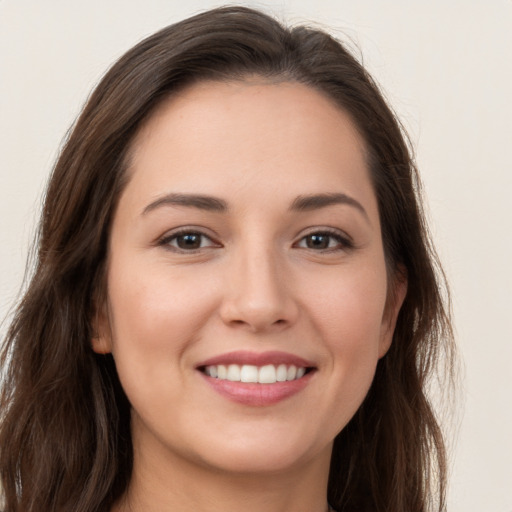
(446, 67)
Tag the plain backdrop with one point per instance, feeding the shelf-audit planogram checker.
(446, 68)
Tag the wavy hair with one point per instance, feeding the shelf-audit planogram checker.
(65, 421)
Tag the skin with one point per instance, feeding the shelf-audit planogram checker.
(256, 282)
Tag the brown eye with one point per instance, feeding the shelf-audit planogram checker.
(318, 241)
(187, 241)
(324, 241)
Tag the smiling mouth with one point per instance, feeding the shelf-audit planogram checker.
(257, 379)
(266, 374)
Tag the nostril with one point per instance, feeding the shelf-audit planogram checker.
(238, 322)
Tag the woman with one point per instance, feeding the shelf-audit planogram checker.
(235, 304)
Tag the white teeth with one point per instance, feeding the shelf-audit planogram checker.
(281, 373)
(268, 374)
(222, 372)
(233, 373)
(291, 373)
(249, 373)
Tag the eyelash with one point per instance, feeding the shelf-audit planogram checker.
(167, 240)
(343, 242)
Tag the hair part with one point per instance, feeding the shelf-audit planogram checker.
(65, 426)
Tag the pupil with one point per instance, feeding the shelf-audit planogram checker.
(318, 242)
(190, 241)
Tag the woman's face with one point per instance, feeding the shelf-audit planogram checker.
(246, 247)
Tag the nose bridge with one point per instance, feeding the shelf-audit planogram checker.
(258, 268)
(258, 296)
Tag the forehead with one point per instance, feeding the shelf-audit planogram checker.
(252, 136)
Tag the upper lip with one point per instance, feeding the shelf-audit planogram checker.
(243, 357)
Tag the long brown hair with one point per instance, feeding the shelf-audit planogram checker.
(65, 421)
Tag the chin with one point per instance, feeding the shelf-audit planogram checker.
(262, 456)
(262, 463)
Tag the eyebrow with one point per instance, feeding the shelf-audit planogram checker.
(214, 204)
(208, 203)
(317, 201)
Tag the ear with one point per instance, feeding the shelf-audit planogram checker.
(101, 341)
(395, 299)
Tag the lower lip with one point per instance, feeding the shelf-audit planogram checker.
(258, 395)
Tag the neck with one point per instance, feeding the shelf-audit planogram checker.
(171, 484)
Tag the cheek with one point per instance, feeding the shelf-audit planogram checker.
(348, 307)
(155, 315)
(348, 313)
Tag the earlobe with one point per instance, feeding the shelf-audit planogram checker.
(101, 345)
(395, 301)
(101, 341)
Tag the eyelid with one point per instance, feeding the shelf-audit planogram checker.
(344, 239)
(164, 240)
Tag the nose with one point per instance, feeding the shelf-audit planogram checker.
(258, 295)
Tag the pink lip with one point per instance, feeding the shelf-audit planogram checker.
(257, 359)
(258, 395)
